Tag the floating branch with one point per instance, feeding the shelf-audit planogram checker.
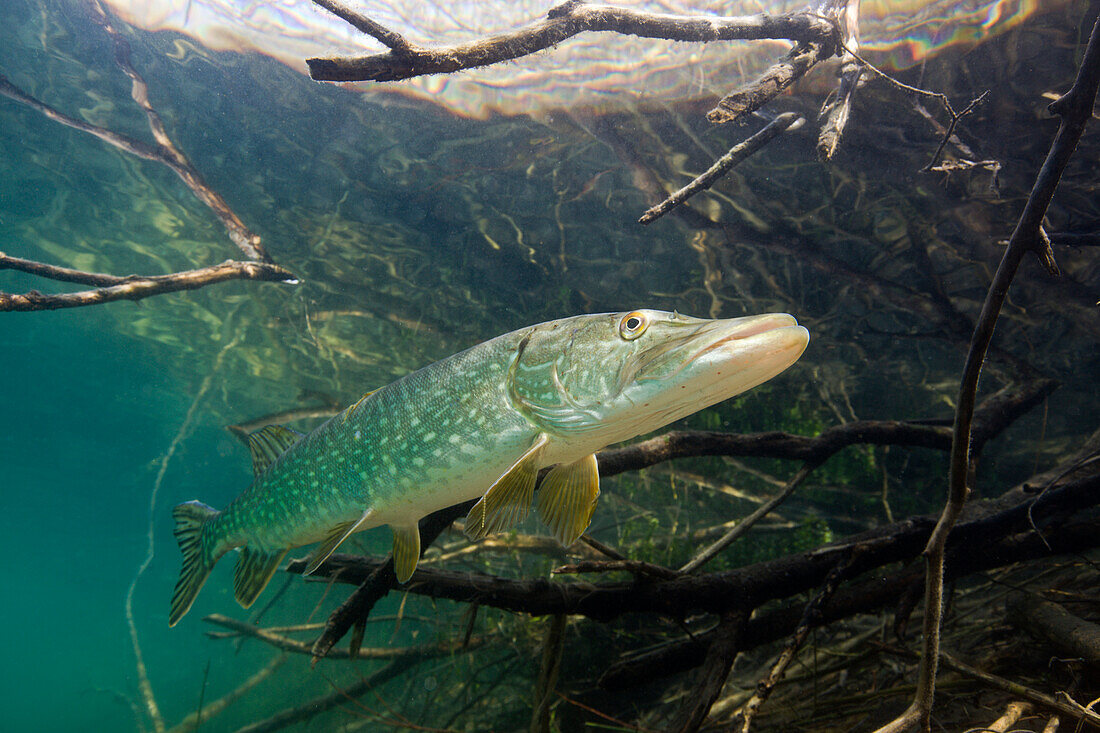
(562, 22)
(131, 287)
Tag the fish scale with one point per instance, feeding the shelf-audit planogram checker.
(481, 423)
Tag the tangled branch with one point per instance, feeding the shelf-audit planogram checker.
(135, 287)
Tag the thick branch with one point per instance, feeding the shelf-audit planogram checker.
(995, 414)
(746, 587)
(563, 22)
(974, 553)
(131, 287)
(1069, 634)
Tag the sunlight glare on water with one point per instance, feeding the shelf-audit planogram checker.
(581, 72)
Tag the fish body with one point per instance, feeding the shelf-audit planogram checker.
(481, 423)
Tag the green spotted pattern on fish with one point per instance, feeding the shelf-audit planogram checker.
(481, 423)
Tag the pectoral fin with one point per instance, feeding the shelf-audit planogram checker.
(406, 551)
(567, 498)
(337, 535)
(254, 571)
(507, 501)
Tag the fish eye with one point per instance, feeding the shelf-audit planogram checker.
(633, 325)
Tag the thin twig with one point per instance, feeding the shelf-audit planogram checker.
(379, 32)
(810, 619)
(742, 527)
(215, 708)
(736, 154)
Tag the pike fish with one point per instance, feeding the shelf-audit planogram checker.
(481, 423)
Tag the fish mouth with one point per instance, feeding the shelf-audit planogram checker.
(770, 323)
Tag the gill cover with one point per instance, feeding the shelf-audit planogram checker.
(564, 372)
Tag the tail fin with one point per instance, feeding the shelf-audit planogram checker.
(190, 518)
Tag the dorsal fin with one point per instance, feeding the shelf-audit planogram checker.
(267, 444)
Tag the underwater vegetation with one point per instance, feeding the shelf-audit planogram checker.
(894, 533)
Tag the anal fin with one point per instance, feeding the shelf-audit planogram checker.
(253, 572)
(335, 537)
(567, 498)
(406, 551)
(508, 500)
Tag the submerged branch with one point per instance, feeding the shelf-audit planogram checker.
(285, 643)
(737, 153)
(130, 287)
(246, 240)
(318, 705)
(1075, 108)
(995, 414)
(866, 596)
(746, 587)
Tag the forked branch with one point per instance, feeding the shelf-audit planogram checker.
(561, 22)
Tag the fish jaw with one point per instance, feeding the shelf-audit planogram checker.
(679, 366)
(729, 358)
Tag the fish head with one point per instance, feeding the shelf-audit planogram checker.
(617, 375)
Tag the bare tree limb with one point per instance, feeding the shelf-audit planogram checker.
(562, 22)
(719, 592)
(973, 554)
(131, 287)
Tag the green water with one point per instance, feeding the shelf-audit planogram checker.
(415, 234)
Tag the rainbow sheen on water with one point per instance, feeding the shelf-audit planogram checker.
(597, 70)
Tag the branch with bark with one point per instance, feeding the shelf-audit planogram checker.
(131, 287)
(405, 61)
